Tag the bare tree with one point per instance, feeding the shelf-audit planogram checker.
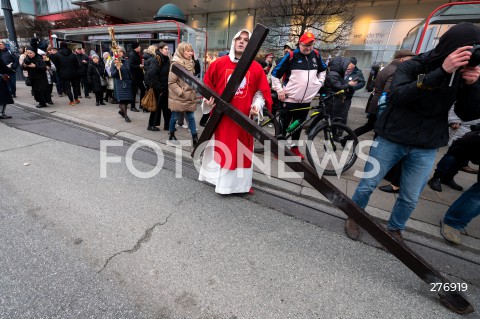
(330, 20)
(84, 17)
(29, 26)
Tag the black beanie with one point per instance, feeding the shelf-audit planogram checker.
(135, 45)
(64, 45)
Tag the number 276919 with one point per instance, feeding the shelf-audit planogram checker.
(451, 286)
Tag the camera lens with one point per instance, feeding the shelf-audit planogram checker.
(475, 58)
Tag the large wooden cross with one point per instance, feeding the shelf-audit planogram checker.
(455, 301)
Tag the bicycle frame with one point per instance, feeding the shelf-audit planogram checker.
(322, 112)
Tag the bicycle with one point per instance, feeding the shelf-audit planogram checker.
(325, 152)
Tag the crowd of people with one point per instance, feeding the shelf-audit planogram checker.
(417, 91)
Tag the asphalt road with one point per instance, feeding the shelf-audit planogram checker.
(75, 245)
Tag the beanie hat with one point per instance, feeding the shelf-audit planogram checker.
(135, 45)
(64, 45)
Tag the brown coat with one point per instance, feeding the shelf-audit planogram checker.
(382, 84)
(181, 96)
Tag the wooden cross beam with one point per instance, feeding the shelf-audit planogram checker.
(454, 300)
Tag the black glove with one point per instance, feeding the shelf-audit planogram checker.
(475, 127)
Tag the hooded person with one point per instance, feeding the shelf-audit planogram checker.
(67, 66)
(227, 161)
(415, 122)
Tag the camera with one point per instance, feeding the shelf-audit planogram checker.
(475, 58)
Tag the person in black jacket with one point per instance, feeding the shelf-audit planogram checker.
(82, 72)
(5, 95)
(136, 69)
(157, 78)
(11, 61)
(37, 72)
(95, 74)
(354, 77)
(415, 123)
(67, 67)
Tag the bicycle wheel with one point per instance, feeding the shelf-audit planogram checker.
(329, 155)
(270, 124)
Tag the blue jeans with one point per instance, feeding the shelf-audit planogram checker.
(417, 165)
(191, 122)
(464, 209)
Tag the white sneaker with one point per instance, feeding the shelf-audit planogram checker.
(185, 126)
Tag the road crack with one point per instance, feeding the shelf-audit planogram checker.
(145, 238)
(24, 146)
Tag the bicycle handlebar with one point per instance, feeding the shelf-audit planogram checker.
(327, 97)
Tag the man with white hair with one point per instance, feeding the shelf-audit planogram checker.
(227, 161)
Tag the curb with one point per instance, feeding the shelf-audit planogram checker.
(261, 180)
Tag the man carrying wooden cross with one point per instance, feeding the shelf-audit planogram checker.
(227, 161)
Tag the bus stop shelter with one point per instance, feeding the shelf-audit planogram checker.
(146, 33)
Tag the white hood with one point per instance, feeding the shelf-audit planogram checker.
(231, 54)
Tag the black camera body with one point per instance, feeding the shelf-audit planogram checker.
(475, 58)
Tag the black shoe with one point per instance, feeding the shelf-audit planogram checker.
(195, 139)
(145, 111)
(389, 189)
(127, 119)
(97, 104)
(134, 109)
(4, 117)
(172, 139)
(101, 103)
(121, 113)
(88, 97)
(39, 106)
(202, 124)
(50, 102)
(153, 128)
(14, 95)
(451, 183)
(435, 184)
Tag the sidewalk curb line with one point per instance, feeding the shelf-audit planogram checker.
(259, 179)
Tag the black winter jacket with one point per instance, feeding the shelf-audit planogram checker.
(135, 69)
(66, 63)
(94, 72)
(156, 73)
(38, 74)
(8, 57)
(83, 67)
(418, 116)
(358, 75)
(335, 79)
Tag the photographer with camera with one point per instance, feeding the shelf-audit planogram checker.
(415, 122)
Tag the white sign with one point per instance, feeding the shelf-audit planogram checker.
(121, 36)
